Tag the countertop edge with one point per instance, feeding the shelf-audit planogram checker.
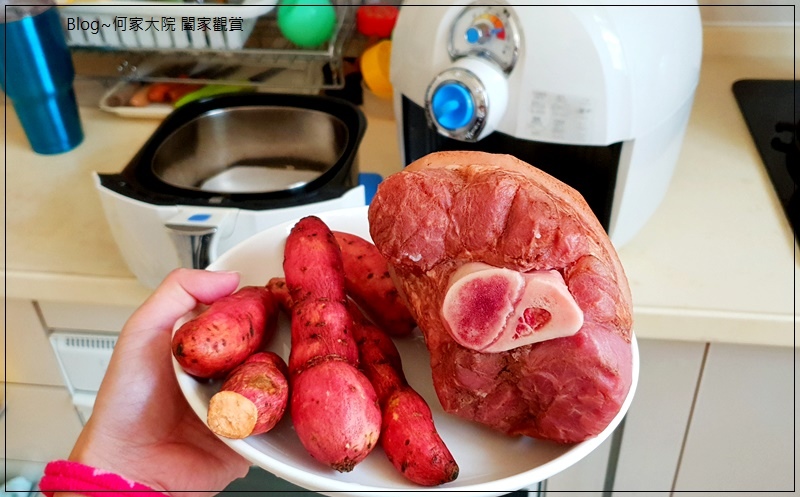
(656, 323)
(750, 41)
(708, 326)
(50, 287)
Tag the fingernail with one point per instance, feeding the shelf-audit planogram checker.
(229, 272)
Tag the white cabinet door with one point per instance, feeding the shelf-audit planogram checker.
(29, 356)
(741, 436)
(657, 420)
(40, 423)
(584, 479)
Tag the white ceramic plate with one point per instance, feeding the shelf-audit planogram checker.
(490, 463)
(115, 102)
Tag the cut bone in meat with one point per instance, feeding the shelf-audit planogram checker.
(521, 298)
(493, 309)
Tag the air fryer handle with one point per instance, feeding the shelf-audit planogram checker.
(196, 233)
(193, 244)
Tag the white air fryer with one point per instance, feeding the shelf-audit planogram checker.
(219, 170)
(597, 96)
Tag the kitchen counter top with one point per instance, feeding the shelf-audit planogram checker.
(716, 263)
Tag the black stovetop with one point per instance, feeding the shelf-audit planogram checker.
(771, 109)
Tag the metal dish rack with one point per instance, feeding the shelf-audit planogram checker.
(266, 60)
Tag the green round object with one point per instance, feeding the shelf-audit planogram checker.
(307, 23)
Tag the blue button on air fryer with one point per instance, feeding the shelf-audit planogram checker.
(199, 217)
(452, 106)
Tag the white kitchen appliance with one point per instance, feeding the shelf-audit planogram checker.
(219, 170)
(597, 96)
(83, 358)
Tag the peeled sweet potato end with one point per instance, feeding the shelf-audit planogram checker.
(232, 415)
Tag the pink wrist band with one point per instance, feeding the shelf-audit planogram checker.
(68, 476)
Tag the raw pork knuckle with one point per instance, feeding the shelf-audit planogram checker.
(524, 305)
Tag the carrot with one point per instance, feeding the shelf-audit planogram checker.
(179, 90)
(368, 282)
(159, 92)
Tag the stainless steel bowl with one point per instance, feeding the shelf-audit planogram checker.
(251, 149)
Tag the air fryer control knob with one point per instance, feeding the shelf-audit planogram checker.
(467, 101)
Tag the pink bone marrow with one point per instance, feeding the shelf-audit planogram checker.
(492, 309)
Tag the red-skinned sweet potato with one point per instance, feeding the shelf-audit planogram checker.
(335, 414)
(313, 262)
(321, 331)
(408, 435)
(226, 333)
(334, 407)
(277, 286)
(369, 283)
(252, 399)
(411, 442)
(323, 326)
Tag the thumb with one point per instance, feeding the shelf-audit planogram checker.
(178, 294)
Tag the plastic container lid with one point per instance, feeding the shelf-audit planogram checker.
(375, 68)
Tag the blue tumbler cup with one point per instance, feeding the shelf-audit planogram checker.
(38, 75)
